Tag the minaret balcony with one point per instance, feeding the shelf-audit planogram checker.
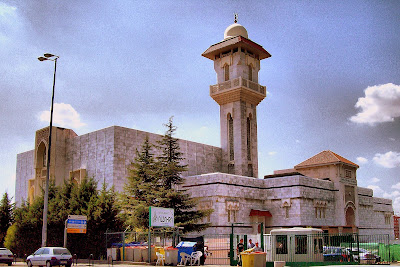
(238, 89)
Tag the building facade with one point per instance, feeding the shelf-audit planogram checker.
(320, 192)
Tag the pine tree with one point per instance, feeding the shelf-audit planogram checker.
(170, 173)
(142, 188)
(6, 216)
(170, 158)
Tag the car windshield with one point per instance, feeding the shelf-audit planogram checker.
(61, 251)
(4, 251)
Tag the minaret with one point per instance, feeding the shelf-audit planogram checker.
(237, 63)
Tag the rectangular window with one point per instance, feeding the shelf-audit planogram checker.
(347, 173)
(250, 73)
(281, 244)
(226, 68)
(300, 244)
(248, 139)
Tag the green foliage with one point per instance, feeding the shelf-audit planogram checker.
(141, 189)
(67, 199)
(6, 216)
(155, 182)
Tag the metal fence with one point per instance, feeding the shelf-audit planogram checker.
(216, 248)
(322, 248)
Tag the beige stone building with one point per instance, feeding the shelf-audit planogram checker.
(321, 191)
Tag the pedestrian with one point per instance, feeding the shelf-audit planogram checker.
(257, 248)
(251, 244)
(239, 249)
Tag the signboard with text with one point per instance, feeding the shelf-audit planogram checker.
(76, 224)
(161, 217)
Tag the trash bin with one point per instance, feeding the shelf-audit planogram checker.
(129, 253)
(187, 247)
(247, 259)
(137, 254)
(279, 263)
(199, 245)
(121, 253)
(145, 254)
(260, 259)
(171, 256)
(160, 250)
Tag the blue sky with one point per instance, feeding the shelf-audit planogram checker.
(333, 80)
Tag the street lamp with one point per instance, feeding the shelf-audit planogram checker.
(54, 58)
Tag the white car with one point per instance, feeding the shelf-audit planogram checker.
(6, 256)
(50, 256)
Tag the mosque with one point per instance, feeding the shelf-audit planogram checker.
(320, 192)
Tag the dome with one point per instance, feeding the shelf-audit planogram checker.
(234, 30)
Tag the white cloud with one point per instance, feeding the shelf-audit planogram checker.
(272, 153)
(362, 160)
(64, 116)
(392, 195)
(297, 141)
(388, 160)
(375, 180)
(396, 186)
(380, 104)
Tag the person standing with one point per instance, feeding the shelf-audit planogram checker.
(239, 249)
(257, 248)
(251, 244)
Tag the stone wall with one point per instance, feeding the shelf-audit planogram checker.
(106, 155)
(24, 172)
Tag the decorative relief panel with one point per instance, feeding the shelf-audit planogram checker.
(232, 205)
(349, 194)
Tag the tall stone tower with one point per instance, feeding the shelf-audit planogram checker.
(237, 63)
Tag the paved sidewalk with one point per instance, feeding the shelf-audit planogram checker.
(127, 264)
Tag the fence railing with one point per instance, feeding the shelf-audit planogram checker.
(322, 248)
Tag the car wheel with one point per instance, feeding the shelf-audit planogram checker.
(29, 263)
(48, 264)
(9, 264)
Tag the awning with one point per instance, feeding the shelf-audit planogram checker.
(264, 213)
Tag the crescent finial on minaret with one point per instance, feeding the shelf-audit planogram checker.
(236, 17)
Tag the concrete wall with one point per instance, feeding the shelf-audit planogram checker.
(24, 172)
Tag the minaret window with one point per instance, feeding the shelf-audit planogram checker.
(248, 138)
(230, 138)
(226, 70)
(250, 73)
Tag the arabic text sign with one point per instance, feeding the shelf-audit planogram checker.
(161, 217)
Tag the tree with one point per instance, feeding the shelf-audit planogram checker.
(68, 199)
(141, 189)
(155, 182)
(172, 196)
(170, 159)
(6, 216)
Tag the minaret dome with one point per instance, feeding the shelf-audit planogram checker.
(235, 29)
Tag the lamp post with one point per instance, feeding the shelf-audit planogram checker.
(54, 58)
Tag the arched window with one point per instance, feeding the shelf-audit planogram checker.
(249, 138)
(350, 216)
(226, 70)
(230, 138)
(41, 156)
